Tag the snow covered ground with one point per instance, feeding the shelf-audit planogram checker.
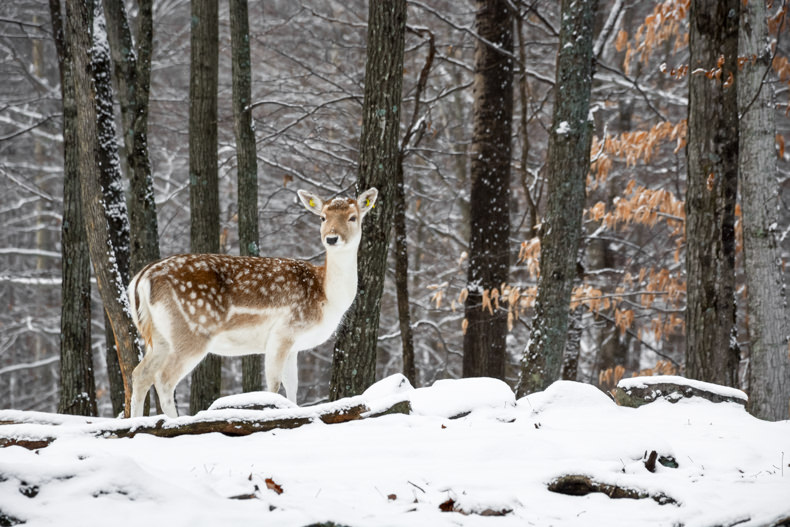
(732, 469)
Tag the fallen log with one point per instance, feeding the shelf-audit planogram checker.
(581, 485)
(34, 430)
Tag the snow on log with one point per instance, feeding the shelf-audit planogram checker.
(35, 430)
(636, 391)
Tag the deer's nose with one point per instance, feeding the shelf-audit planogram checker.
(331, 240)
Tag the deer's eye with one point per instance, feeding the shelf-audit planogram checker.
(323, 218)
(352, 218)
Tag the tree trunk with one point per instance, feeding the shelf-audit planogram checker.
(402, 276)
(769, 364)
(354, 357)
(247, 169)
(567, 165)
(414, 132)
(573, 346)
(203, 170)
(489, 201)
(117, 392)
(112, 187)
(712, 157)
(98, 164)
(77, 385)
(133, 75)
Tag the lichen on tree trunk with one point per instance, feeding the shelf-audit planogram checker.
(567, 165)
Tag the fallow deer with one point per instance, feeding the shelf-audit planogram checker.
(189, 305)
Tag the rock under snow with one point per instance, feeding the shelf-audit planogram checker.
(636, 391)
(453, 398)
(569, 394)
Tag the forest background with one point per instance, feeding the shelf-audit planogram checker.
(308, 59)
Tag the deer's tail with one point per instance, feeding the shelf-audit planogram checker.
(140, 305)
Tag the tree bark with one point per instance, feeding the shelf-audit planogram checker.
(98, 165)
(712, 156)
(203, 170)
(414, 133)
(354, 356)
(247, 162)
(77, 384)
(112, 187)
(117, 391)
(489, 200)
(133, 76)
(568, 162)
(769, 363)
(402, 276)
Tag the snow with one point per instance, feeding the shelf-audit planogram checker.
(257, 400)
(564, 128)
(398, 469)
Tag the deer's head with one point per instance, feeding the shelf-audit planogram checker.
(341, 218)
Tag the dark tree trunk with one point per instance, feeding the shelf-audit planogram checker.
(414, 133)
(402, 276)
(354, 357)
(133, 75)
(112, 186)
(77, 385)
(114, 375)
(99, 171)
(203, 170)
(712, 156)
(567, 165)
(769, 363)
(247, 169)
(573, 346)
(489, 201)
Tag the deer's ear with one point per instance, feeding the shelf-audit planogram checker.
(367, 200)
(311, 202)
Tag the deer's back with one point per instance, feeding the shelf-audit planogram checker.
(215, 293)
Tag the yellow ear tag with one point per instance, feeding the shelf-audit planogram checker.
(368, 204)
(312, 202)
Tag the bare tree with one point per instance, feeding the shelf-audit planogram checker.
(133, 78)
(247, 161)
(203, 171)
(568, 162)
(354, 358)
(99, 169)
(77, 384)
(769, 363)
(489, 201)
(712, 155)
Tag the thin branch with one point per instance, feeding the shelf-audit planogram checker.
(768, 66)
(636, 85)
(26, 130)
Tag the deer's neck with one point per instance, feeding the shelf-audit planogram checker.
(340, 281)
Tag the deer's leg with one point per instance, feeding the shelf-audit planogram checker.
(144, 375)
(142, 380)
(276, 357)
(186, 356)
(291, 377)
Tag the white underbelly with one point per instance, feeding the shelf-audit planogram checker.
(246, 340)
(256, 339)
